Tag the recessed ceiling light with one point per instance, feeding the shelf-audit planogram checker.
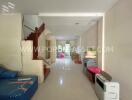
(4, 7)
(72, 14)
(11, 5)
(5, 10)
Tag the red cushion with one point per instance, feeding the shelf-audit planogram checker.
(61, 55)
(93, 69)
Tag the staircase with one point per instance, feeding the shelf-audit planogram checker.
(32, 41)
(34, 36)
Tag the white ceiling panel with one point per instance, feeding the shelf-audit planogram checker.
(69, 27)
(62, 27)
(37, 6)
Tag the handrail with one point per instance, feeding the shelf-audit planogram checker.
(41, 29)
(45, 61)
(29, 27)
(34, 37)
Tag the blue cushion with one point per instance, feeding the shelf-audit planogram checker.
(2, 69)
(5, 73)
(8, 74)
(11, 92)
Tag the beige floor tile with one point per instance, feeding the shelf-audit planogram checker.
(65, 82)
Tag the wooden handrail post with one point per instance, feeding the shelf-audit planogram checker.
(34, 36)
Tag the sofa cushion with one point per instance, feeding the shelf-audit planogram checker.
(2, 69)
(94, 69)
(8, 74)
(11, 90)
(5, 73)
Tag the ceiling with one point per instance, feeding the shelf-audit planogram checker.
(63, 27)
(36, 6)
(68, 27)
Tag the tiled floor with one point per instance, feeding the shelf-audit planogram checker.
(65, 82)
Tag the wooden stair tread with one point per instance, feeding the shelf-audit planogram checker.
(46, 72)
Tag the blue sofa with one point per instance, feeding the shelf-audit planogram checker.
(17, 87)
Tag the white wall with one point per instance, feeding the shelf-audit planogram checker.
(89, 38)
(31, 67)
(53, 47)
(93, 39)
(42, 45)
(53, 52)
(31, 21)
(10, 41)
(119, 35)
(100, 24)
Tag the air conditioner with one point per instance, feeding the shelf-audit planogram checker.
(105, 89)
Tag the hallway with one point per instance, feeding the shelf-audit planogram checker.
(65, 82)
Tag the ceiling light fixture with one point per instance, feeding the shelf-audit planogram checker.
(71, 14)
(11, 5)
(5, 7)
(5, 10)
